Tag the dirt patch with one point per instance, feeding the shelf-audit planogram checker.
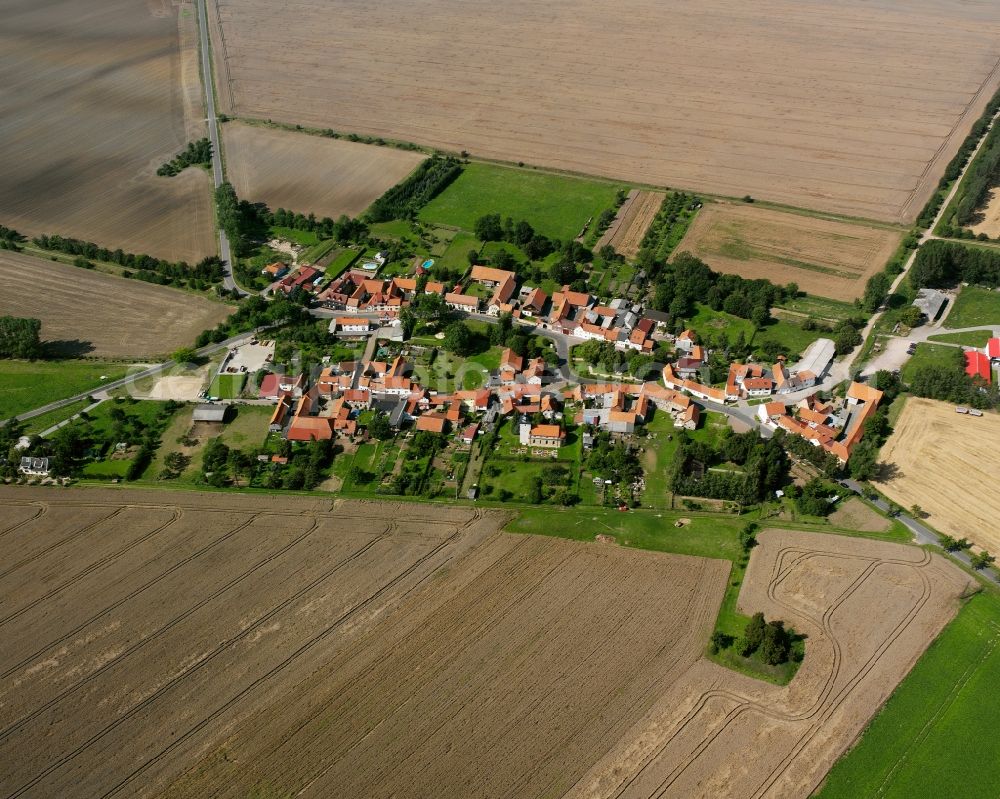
(854, 514)
(96, 97)
(825, 257)
(310, 174)
(821, 105)
(90, 313)
(869, 610)
(947, 463)
(181, 626)
(989, 216)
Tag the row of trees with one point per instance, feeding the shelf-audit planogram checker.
(405, 199)
(979, 179)
(153, 270)
(945, 263)
(197, 152)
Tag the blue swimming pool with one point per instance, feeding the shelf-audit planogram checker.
(428, 263)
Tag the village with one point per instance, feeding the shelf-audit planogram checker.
(541, 402)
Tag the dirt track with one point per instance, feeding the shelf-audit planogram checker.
(947, 464)
(851, 107)
(96, 96)
(103, 314)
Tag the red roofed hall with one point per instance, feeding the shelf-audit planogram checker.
(977, 364)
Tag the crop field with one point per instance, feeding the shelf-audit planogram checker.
(150, 638)
(634, 218)
(84, 312)
(947, 463)
(96, 97)
(824, 257)
(310, 174)
(718, 733)
(555, 205)
(860, 120)
(939, 726)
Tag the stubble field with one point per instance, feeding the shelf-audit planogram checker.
(947, 463)
(824, 257)
(96, 96)
(849, 107)
(84, 312)
(310, 174)
(202, 645)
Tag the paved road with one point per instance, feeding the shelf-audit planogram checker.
(225, 253)
(921, 534)
(128, 379)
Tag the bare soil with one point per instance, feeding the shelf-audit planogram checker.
(849, 107)
(947, 463)
(84, 312)
(311, 174)
(869, 610)
(824, 257)
(96, 97)
(989, 216)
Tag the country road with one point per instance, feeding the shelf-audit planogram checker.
(225, 252)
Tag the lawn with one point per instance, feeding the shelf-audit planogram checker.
(970, 338)
(26, 385)
(935, 736)
(39, 423)
(456, 255)
(792, 337)
(928, 355)
(975, 306)
(341, 263)
(557, 206)
(821, 307)
(227, 386)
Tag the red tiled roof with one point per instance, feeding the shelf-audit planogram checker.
(978, 365)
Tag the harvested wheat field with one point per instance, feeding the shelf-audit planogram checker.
(869, 610)
(850, 106)
(635, 216)
(310, 174)
(85, 312)
(202, 644)
(96, 96)
(824, 257)
(947, 463)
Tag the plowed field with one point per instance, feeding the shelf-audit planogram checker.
(97, 95)
(310, 174)
(824, 257)
(634, 218)
(851, 106)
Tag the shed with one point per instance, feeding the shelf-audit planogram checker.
(930, 302)
(208, 412)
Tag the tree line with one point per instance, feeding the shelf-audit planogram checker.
(152, 270)
(957, 164)
(20, 338)
(405, 199)
(10, 239)
(196, 153)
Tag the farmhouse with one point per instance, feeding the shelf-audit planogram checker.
(351, 325)
(461, 302)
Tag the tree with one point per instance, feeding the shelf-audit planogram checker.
(19, 337)
(488, 228)
(214, 457)
(917, 511)
(981, 560)
(775, 644)
(185, 355)
(535, 495)
(753, 635)
(379, 427)
(459, 339)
